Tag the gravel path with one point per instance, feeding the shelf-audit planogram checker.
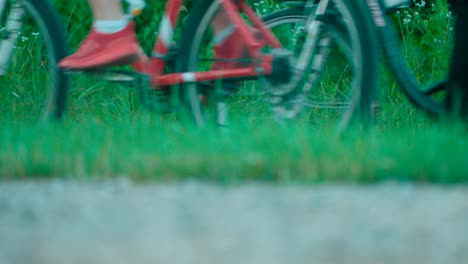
(120, 222)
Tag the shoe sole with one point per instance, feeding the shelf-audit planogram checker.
(124, 60)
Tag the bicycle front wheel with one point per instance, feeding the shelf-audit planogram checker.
(32, 42)
(329, 88)
(417, 44)
(348, 76)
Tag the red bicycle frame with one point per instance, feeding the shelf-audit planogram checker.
(154, 65)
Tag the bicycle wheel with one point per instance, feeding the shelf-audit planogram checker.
(419, 54)
(244, 98)
(329, 86)
(32, 42)
(288, 26)
(343, 81)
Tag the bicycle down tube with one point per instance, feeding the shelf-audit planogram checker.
(154, 66)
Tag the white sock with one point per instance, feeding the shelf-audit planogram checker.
(110, 26)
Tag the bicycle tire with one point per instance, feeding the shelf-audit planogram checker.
(366, 45)
(331, 98)
(35, 88)
(419, 95)
(361, 33)
(364, 98)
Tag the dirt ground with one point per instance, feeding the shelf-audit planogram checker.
(116, 222)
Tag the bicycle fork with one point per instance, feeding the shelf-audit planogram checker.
(313, 27)
(9, 34)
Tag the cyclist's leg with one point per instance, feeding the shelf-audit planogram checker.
(229, 46)
(111, 41)
(106, 10)
(457, 98)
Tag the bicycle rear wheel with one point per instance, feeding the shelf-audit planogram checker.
(328, 102)
(245, 98)
(31, 44)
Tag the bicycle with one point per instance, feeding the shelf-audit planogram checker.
(194, 80)
(309, 64)
(423, 91)
(32, 41)
(427, 97)
(332, 91)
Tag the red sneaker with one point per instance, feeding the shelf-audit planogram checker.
(100, 50)
(233, 52)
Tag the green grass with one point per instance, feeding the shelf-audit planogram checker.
(144, 148)
(106, 132)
